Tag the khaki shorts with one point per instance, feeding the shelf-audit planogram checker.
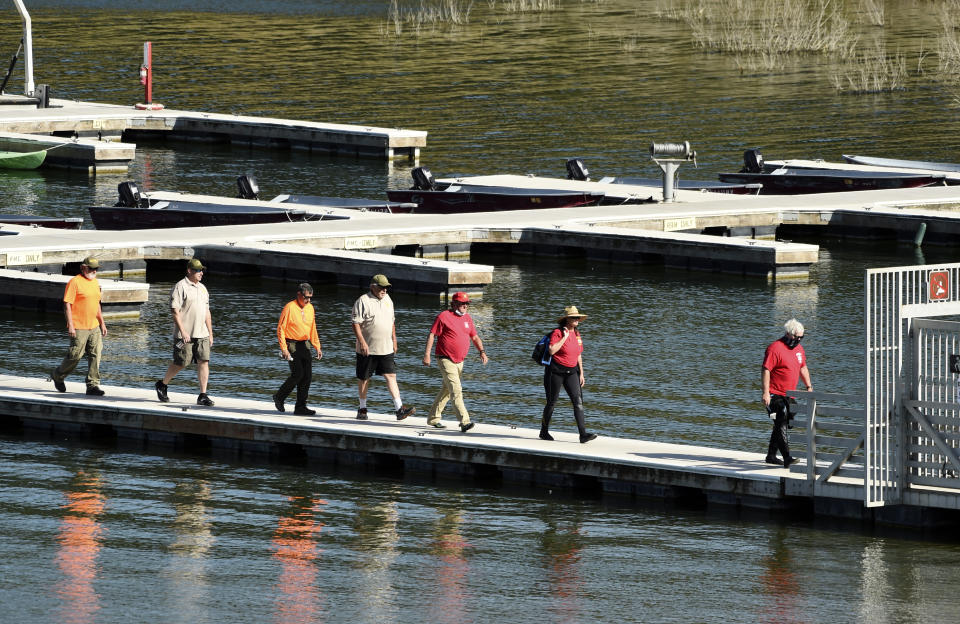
(186, 353)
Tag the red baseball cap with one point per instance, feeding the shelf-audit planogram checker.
(461, 296)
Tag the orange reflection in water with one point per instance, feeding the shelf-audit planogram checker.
(296, 548)
(452, 574)
(780, 586)
(79, 540)
(562, 547)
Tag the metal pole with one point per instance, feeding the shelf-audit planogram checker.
(148, 63)
(28, 86)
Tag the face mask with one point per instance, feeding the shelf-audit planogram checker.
(791, 341)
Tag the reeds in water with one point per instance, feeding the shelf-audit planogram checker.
(873, 71)
(433, 13)
(770, 28)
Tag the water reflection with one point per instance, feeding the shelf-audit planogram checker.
(452, 570)
(78, 547)
(295, 543)
(192, 542)
(779, 584)
(376, 527)
(561, 543)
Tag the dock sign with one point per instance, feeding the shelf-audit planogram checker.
(939, 285)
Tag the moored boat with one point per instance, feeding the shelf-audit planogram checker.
(432, 197)
(895, 163)
(784, 178)
(62, 223)
(22, 160)
(134, 211)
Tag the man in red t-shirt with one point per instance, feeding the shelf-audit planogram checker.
(783, 364)
(453, 331)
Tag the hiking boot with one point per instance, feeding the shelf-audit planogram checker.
(467, 427)
(278, 403)
(774, 461)
(59, 385)
(587, 437)
(362, 413)
(545, 435)
(94, 391)
(405, 410)
(437, 425)
(204, 400)
(304, 411)
(161, 391)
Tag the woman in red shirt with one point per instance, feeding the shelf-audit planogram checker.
(565, 371)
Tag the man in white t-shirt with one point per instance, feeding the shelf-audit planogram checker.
(376, 332)
(192, 331)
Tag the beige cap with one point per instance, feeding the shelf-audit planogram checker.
(380, 280)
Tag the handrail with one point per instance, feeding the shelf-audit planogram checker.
(29, 88)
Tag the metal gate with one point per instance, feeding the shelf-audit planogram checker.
(893, 298)
(932, 410)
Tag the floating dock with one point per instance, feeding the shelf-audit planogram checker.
(67, 118)
(492, 454)
(43, 292)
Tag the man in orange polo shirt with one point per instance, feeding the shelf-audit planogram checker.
(81, 307)
(296, 330)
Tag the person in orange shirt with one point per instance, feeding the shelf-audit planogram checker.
(81, 307)
(297, 328)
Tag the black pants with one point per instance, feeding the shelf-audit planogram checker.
(554, 378)
(779, 406)
(301, 372)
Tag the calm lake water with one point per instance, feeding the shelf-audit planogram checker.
(105, 535)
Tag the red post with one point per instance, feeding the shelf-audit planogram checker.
(146, 79)
(148, 64)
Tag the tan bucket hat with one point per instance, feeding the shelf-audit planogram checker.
(571, 312)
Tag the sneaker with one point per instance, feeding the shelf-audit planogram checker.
(405, 410)
(94, 391)
(304, 411)
(544, 435)
(467, 427)
(278, 403)
(437, 425)
(59, 385)
(773, 460)
(788, 461)
(203, 399)
(362, 413)
(587, 437)
(161, 391)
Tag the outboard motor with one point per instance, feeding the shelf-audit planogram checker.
(576, 170)
(423, 179)
(129, 195)
(247, 185)
(752, 161)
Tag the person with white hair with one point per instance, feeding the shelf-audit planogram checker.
(783, 364)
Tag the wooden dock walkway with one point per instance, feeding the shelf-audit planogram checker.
(620, 467)
(67, 118)
(43, 292)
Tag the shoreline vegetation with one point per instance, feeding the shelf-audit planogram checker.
(758, 36)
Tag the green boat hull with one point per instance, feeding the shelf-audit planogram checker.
(22, 160)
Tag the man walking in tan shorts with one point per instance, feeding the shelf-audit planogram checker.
(192, 331)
